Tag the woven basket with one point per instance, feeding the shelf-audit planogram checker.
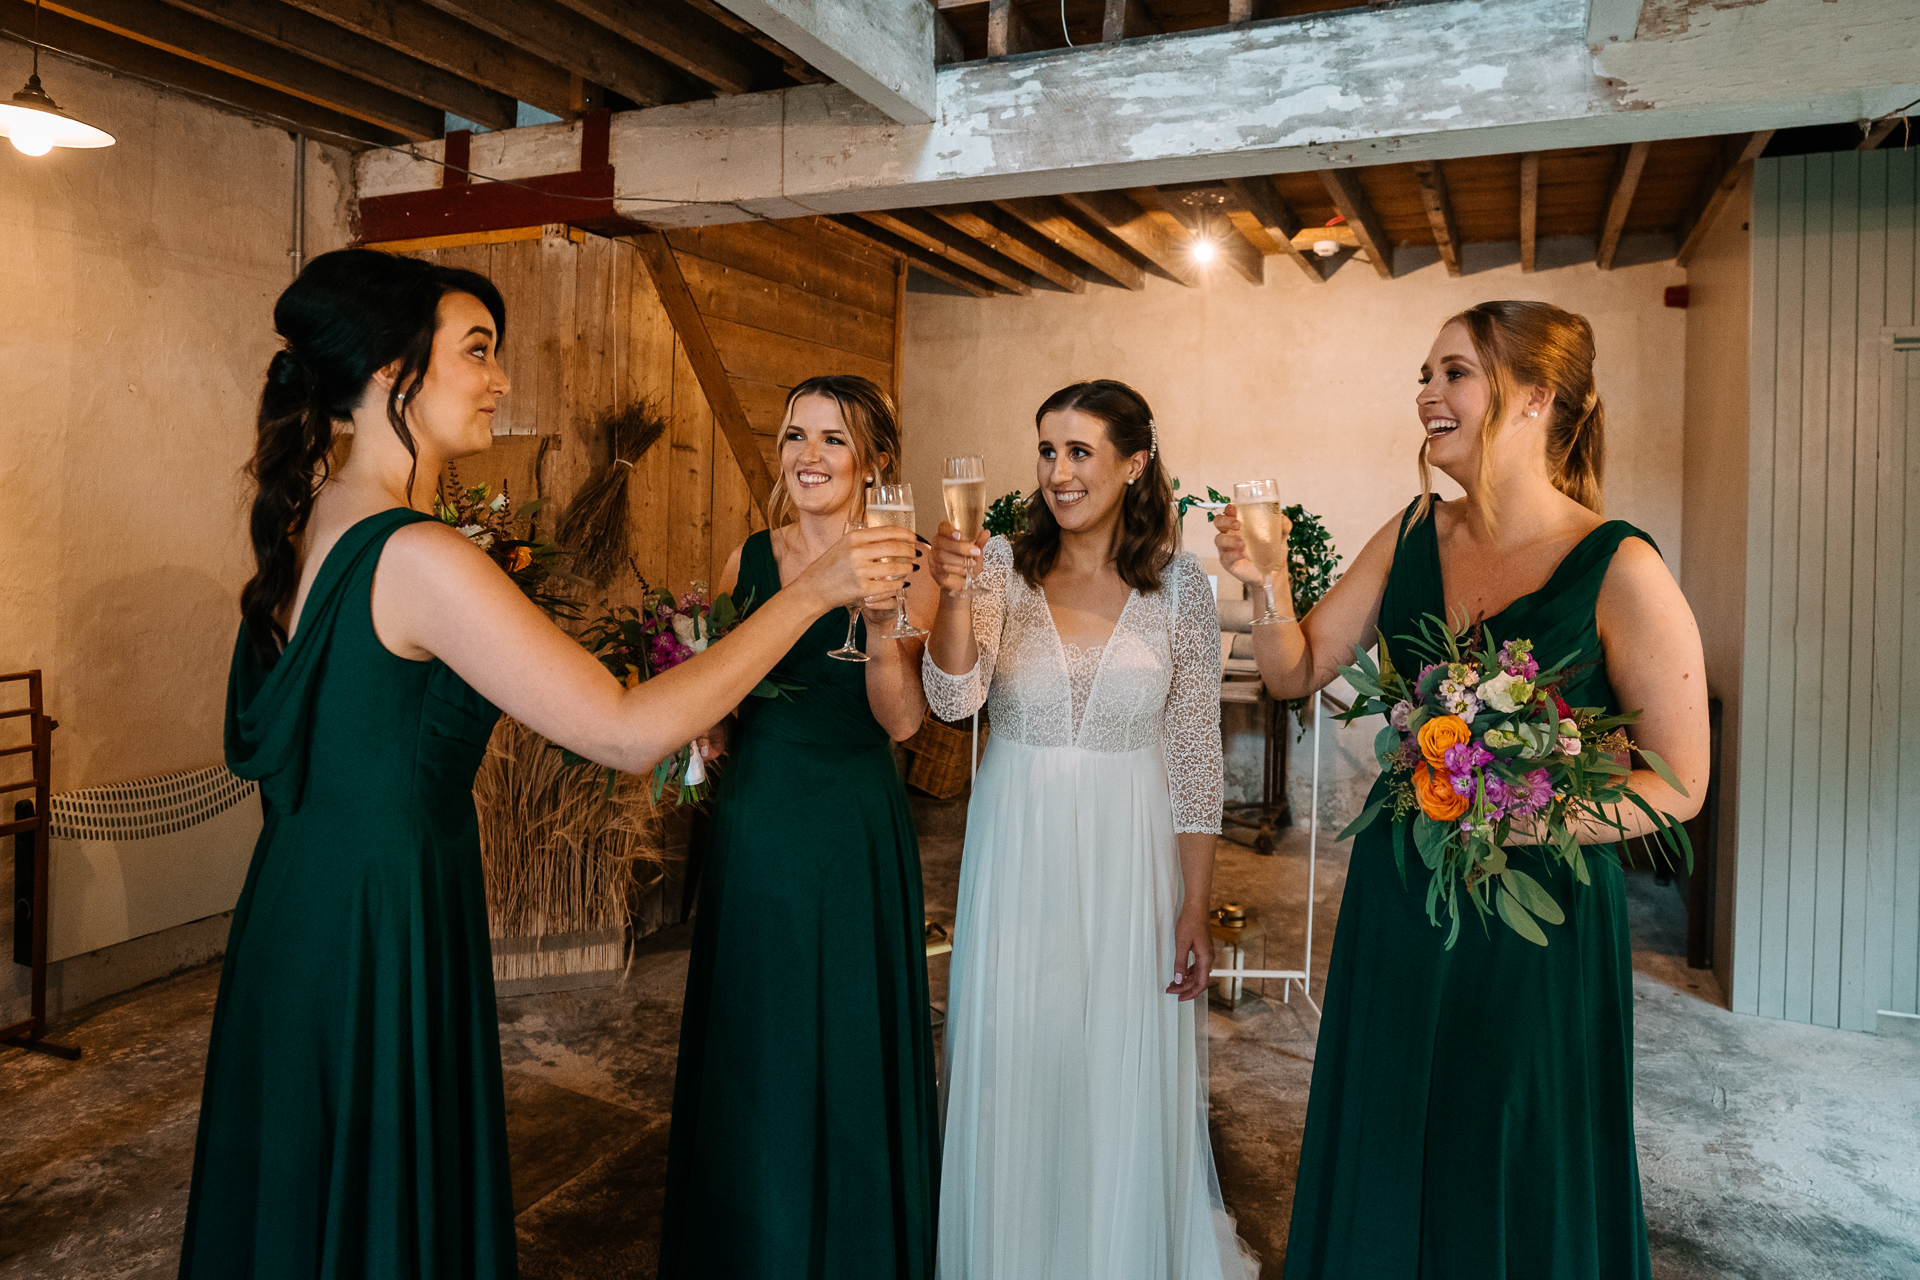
(938, 764)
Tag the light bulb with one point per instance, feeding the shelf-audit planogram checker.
(1203, 251)
(1326, 248)
(30, 137)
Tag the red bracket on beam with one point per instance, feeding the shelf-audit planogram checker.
(459, 206)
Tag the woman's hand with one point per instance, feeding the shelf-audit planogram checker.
(954, 557)
(1192, 952)
(713, 743)
(1232, 547)
(858, 566)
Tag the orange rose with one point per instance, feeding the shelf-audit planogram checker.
(1439, 733)
(520, 559)
(1438, 800)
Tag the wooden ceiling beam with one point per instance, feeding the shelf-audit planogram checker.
(1050, 219)
(1260, 198)
(681, 35)
(796, 66)
(562, 37)
(189, 36)
(1004, 235)
(1879, 132)
(1008, 30)
(118, 54)
(1736, 153)
(1350, 198)
(919, 258)
(1626, 181)
(1191, 224)
(936, 237)
(422, 32)
(1125, 19)
(1433, 194)
(1126, 221)
(299, 32)
(881, 51)
(1529, 208)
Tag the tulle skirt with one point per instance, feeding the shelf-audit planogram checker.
(1074, 1092)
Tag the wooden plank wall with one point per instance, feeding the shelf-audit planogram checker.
(586, 333)
(1827, 891)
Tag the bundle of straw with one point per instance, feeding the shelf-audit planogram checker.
(594, 526)
(559, 850)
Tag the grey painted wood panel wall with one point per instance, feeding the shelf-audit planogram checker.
(1827, 887)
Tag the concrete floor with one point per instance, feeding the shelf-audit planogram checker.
(1767, 1149)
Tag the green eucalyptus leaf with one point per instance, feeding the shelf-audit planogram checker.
(1365, 820)
(1532, 895)
(1431, 839)
(1517, 918)
(1659, 766)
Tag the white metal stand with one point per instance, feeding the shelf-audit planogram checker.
(1304, 974)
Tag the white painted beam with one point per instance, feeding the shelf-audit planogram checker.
(1353, 87)
(882, 50)
(1611, 21)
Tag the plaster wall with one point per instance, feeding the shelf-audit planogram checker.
(1309, 383)
(1714, 499)
(141, 279)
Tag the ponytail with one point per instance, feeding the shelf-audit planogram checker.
(350, 314)
(1577, 451)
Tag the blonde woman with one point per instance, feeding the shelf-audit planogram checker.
(1472, 1109)
(805, 1141)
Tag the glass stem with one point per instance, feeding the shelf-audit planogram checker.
(853, 620)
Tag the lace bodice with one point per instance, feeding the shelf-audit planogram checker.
(1155, 680)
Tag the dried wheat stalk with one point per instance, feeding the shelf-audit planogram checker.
(593, 528)
(559, 853)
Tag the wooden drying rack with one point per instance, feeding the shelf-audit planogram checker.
(28, 1034)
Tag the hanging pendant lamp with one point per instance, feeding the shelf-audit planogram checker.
(34, 122)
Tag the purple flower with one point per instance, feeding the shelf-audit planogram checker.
(1530, 794)
(1465, 757)
(1402, 713)
(1499, 796)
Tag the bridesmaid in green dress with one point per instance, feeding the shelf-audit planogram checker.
(1472, 1110)
(805, 1140)
(352, 1123)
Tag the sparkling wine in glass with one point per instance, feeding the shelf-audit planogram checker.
(1262, 525)
(892, 504)
(965, 491)
(848, 652)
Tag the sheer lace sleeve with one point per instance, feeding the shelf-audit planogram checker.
(1192, 729)
(955, 697)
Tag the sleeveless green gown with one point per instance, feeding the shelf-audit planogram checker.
(805, 1142)
(352, 1124)
(1472, 1110)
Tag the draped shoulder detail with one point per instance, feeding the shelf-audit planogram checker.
(269, 710)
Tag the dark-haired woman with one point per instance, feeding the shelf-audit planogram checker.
(352, 1123)
(1472, 1109)
(1075, 1137)
(805, 1141)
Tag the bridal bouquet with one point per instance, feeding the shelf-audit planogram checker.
(1481, 752)
(489, 522)
(638, 644)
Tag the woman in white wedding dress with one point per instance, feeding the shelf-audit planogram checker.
(1075, 1088)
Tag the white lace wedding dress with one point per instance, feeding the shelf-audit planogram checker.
(1075, 1089)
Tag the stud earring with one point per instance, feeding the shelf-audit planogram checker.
(1533, 413)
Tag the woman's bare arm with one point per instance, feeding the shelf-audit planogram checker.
(893, 666)
(436, 595)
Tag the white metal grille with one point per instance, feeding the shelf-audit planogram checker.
(149, 807)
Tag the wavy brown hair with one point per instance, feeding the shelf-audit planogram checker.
(870, 419)
(1147, 535)
(1536, 344)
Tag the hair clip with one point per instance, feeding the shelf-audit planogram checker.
(1153, 431)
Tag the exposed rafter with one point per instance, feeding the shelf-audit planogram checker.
(1529, 208)
(880, 50)
(918, 227)
(423, 32)
(1121, 217)
(1190, 225)
(1050, 219)
(1008, 30)
(1736, 153)
(1350, 198)
(302, 33)
(686, 38)
(1012, 239)
(1125, 19)
(1263, 202)
(930, 263)
(1439, 206)
(562, 37)
(1626, 181)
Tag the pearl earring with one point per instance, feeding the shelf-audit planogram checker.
(1533, 413)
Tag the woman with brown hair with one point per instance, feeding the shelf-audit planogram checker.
(1472, 1108)
(1075, 1091)
(805, 1141)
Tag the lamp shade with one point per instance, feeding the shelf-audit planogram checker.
(35, 124)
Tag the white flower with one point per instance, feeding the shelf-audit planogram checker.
(1500, 739)
(1507, 692)
(498, 504)
(683, 628)
(1459, 699)
(1570, 746)
(470, 531)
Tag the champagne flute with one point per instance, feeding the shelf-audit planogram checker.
(965, 491)
(892, 505)
(847, 652)
(1261, 525)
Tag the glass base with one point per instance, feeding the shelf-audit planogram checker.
(909, 633)
(848, 654)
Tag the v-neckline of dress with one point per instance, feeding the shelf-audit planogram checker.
(1440, 577)
(1100, 664)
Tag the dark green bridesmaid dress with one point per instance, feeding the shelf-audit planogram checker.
(1472, 1110)
(805, 1142)
(352, 1123)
